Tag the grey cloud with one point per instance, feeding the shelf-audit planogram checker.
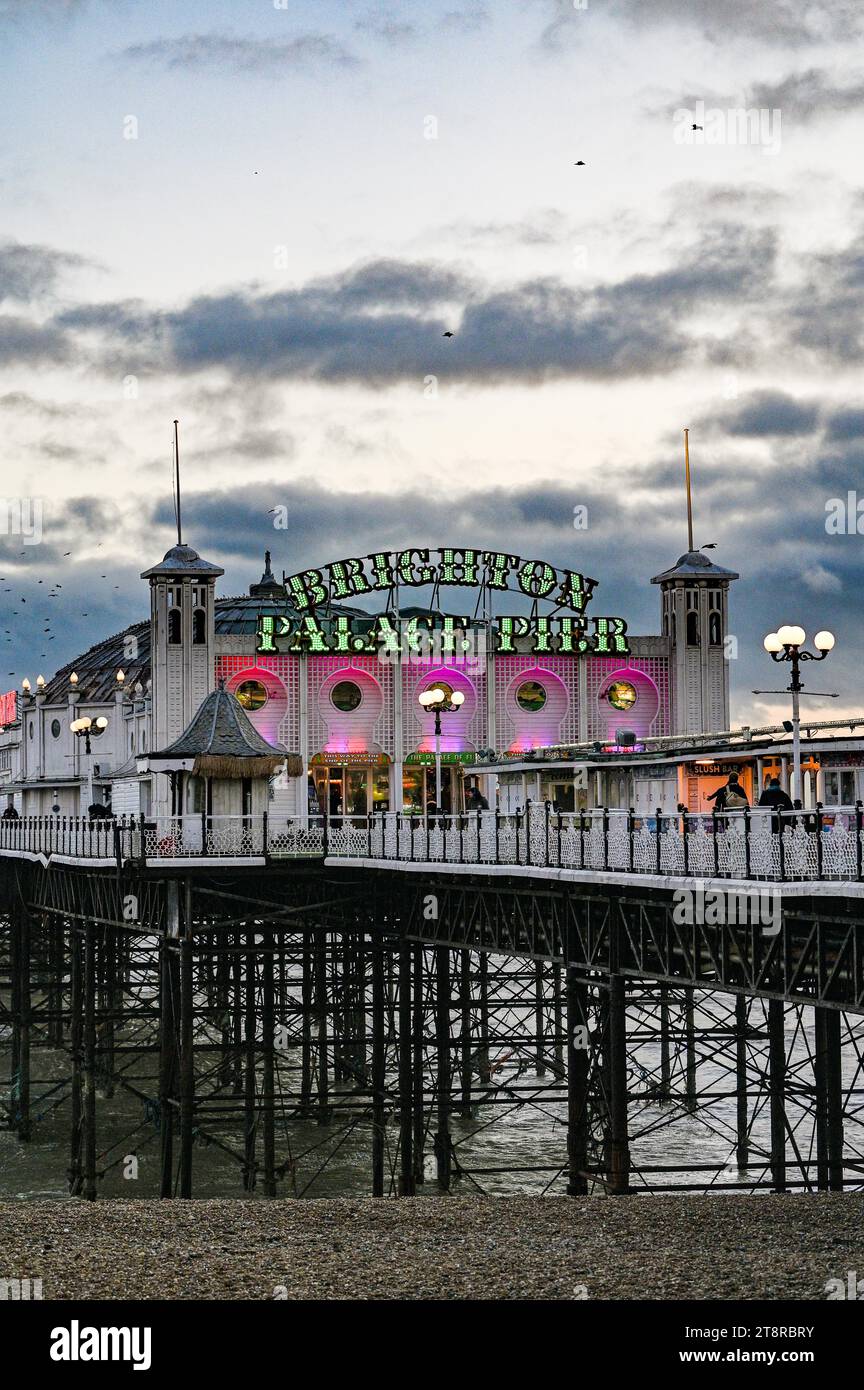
(236, 53)
(387, 26)
(782, 23)
(24, 342)
(766, 413)
(467, 20)
(548, 227)
(31, 9)
(845, 424)
(824, 314)
(808, 95)
(392, 282)
(21, 403)
(379, 323)
(29, 272)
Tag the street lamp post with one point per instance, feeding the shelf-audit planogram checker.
(786, 644)
(81, 728)
(437, 701)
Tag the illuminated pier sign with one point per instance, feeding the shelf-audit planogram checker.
(388, 570)
(391, 637)
(308, 629)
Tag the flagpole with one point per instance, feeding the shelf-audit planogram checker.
(687, 484)
(177, 482)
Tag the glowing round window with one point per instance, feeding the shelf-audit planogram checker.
(346, 696)
(531, 696)
(251, 694)
(621, 695)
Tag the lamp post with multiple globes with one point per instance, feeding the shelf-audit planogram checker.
(82, 728)
(787, 644)
(440, 701)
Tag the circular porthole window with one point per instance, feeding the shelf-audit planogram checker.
(621, 695)
(251, 694)
(346, 696)
(55, 728)
(531, 696)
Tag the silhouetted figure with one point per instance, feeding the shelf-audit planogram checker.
(775, 797)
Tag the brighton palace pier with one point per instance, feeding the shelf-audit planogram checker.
(409, 848)
(337, 686)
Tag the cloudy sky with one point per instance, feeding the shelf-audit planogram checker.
(262, 217)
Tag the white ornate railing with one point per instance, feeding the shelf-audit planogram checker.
(758, 844)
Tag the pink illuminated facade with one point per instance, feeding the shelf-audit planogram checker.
(367, 744)
(339, 685)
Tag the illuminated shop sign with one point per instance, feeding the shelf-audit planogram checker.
(388, 636)
(8, 707)
(389, 570)
(361, 759)
(428, 759)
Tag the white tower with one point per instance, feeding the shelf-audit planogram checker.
(695, 614)
(182, 597)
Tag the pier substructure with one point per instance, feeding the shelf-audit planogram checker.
(298, 1032)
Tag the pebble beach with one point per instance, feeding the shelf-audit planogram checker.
(667, 1248)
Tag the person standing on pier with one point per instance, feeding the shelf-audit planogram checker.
(730, 797)
(775, 797)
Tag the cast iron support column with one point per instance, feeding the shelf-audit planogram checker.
(540, 1060)
(76, 1019)
(742, 1147)
(89, 1047)
(443, 1066)
(665, 1052)
(250, 1119)
(321, 1019)
(834, 1098)
(484, 1067)
(418, 1059)
(268, 1079)
(578, 1041)
(306, 1009)
(187, 1055)
(558, 1016)
(777, 1091)
(22, 1022)
(465, 1032)
(406, 1074)
(168, 1022)
(619, 1147)
(690, 1046)
(378, 1061)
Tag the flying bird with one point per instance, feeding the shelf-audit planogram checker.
(697, 127)
(448, 334)
(579, 162)
(66, 552)
(712, 545)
